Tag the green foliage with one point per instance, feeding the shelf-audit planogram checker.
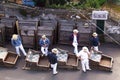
(92, 3)
(82, 4)
(61, 2)
(57, 6)
(65, 6)
(101, 2)
(23, 12)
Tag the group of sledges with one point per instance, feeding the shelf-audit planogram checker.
(35, 60)
(67, 60)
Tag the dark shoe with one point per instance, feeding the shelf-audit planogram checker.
(84, 71)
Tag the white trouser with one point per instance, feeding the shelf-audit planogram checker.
(75, 45)
(18, 48)
(95, 48)
(54, 66)
(85, 64)
(44, 50)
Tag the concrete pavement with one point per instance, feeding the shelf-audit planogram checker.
(19, 74)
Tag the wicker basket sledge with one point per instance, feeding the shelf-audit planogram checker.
(11, 59)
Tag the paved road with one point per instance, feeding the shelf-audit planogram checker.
(19, 74)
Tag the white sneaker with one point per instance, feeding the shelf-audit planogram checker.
(88, 69)
(55, 73)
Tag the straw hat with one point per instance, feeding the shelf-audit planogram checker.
(95, 34)
(43, 36)
(14, 36)
(55, 50)
(75, 31)
(84, 48)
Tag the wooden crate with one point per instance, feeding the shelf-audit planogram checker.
(30, 64)
(2, 11)
(66, 42)
(50, 24)
(94, 64)
(62, 57)
(65, 30)
(2, 34)
(9, 22)
(61, 63)
(10, 32)
(48, 31)
(11, 59)
(82, 29)
(66, 22)
(28, 41)
(2, 14)
(95, 59)
(43, 63)
(72, 61)
(27, 30)
(66, 27)
(67, 60)
(106, 63)
(28, 38)
(85, 31)
(84, 39)
(63, 37)
(9, 27)
(26, 25)
(3, 54)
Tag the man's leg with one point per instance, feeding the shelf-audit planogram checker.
(43, 50)
(17, 50)
(96, 48)
(75, 48)
(87, 65)
(55, 68)
(22, 49)
(46, 51)
(83, 66)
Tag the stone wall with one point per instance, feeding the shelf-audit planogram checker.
(113, 33)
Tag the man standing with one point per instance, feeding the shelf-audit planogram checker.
(84, 57)
(17, 43)
(75, 39)
(53, 60)
(95, 41)
(44, 43)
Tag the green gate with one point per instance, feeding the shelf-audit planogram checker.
(100, 29)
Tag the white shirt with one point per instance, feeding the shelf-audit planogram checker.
(44, 41)
(83, 55)
(75, 39)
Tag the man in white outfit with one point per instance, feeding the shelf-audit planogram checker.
(75, 39)
(84, 57)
